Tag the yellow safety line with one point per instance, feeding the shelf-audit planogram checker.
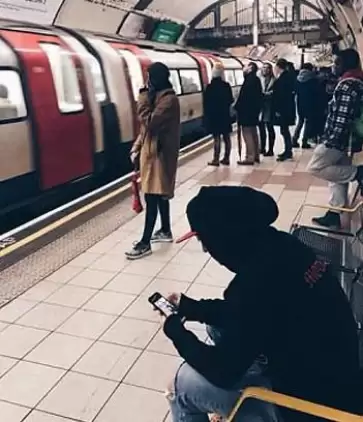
(58, 223)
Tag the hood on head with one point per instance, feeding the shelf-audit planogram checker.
(159, 75)
(230, 221)
(305, 75)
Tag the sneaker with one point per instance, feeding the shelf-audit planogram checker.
(213, 163)
(161, 237)
(245, 163)
(285, 156)
(268, 154)
(139, 250)
(330, 220)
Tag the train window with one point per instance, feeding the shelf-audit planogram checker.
(175, 81)
(98, 82)
(12, 103)
(64, 77)
(135, 71)
(239, 77)
(190, 81)
(229, 76)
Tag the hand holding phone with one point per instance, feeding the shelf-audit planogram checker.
(163, 305)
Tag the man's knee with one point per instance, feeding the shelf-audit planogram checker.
(314, 167)
(186, 379)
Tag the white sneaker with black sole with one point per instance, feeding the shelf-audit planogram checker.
(160, 237)
(138, 251)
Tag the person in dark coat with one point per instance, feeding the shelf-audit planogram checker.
(248, 108)
(267, 80)
(218, 99)
(309, 105)
(283, 105)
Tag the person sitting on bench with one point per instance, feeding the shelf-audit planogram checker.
(283, 304)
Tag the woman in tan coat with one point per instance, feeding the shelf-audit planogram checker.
(157, 149)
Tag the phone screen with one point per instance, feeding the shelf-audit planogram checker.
(162, 304)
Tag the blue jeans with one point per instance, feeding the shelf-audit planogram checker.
(195, 397)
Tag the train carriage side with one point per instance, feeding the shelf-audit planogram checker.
(60, 115)
(233, 73)
(118, 113)
(18, 179)
(186, 78)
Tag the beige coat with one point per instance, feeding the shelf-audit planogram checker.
(158, 142)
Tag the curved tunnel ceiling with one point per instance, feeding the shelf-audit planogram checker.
(100, 15)
(110, 15)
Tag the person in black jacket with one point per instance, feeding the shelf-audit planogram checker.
(218, 100)
(283, 303)
(248, 108)
(309, 105)
(283, 105)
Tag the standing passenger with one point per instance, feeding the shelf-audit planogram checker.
(248, 107)
(218, 99)
(309, 105)
(267, 79)
(158, 148)
(332, 160)
(283, 105)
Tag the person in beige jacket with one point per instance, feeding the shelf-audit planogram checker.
(156, 150)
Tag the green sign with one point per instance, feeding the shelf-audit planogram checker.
(167, 32)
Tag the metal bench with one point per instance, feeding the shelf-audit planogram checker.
(292, 403)
(335, 246)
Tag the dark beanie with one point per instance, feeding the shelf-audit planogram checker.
(234, 208)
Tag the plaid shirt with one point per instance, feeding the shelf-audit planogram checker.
(344, 108)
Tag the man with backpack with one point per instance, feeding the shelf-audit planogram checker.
(331, 160)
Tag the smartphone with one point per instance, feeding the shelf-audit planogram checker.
(162, 304)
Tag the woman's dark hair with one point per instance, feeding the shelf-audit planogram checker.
(307, 66)
(282, 64)
(254, 67)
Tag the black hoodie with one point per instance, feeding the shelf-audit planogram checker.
(283, 303)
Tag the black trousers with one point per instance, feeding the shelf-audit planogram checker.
(310, 130)
(264, 127)
(285, 132)
(155, 203)
(217, 146)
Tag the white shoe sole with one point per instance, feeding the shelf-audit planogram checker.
(162, 240)
(134, 258)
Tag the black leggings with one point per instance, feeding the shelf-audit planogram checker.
(153, 204)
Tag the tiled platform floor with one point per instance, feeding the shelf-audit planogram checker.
(84, 344)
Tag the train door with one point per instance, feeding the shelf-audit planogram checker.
(205, 67)
(60, 111)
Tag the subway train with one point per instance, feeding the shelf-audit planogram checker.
(68, 102)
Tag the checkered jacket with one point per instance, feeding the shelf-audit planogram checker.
(344, 108)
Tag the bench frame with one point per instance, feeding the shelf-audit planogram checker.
(293, 403)
(344, 236)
